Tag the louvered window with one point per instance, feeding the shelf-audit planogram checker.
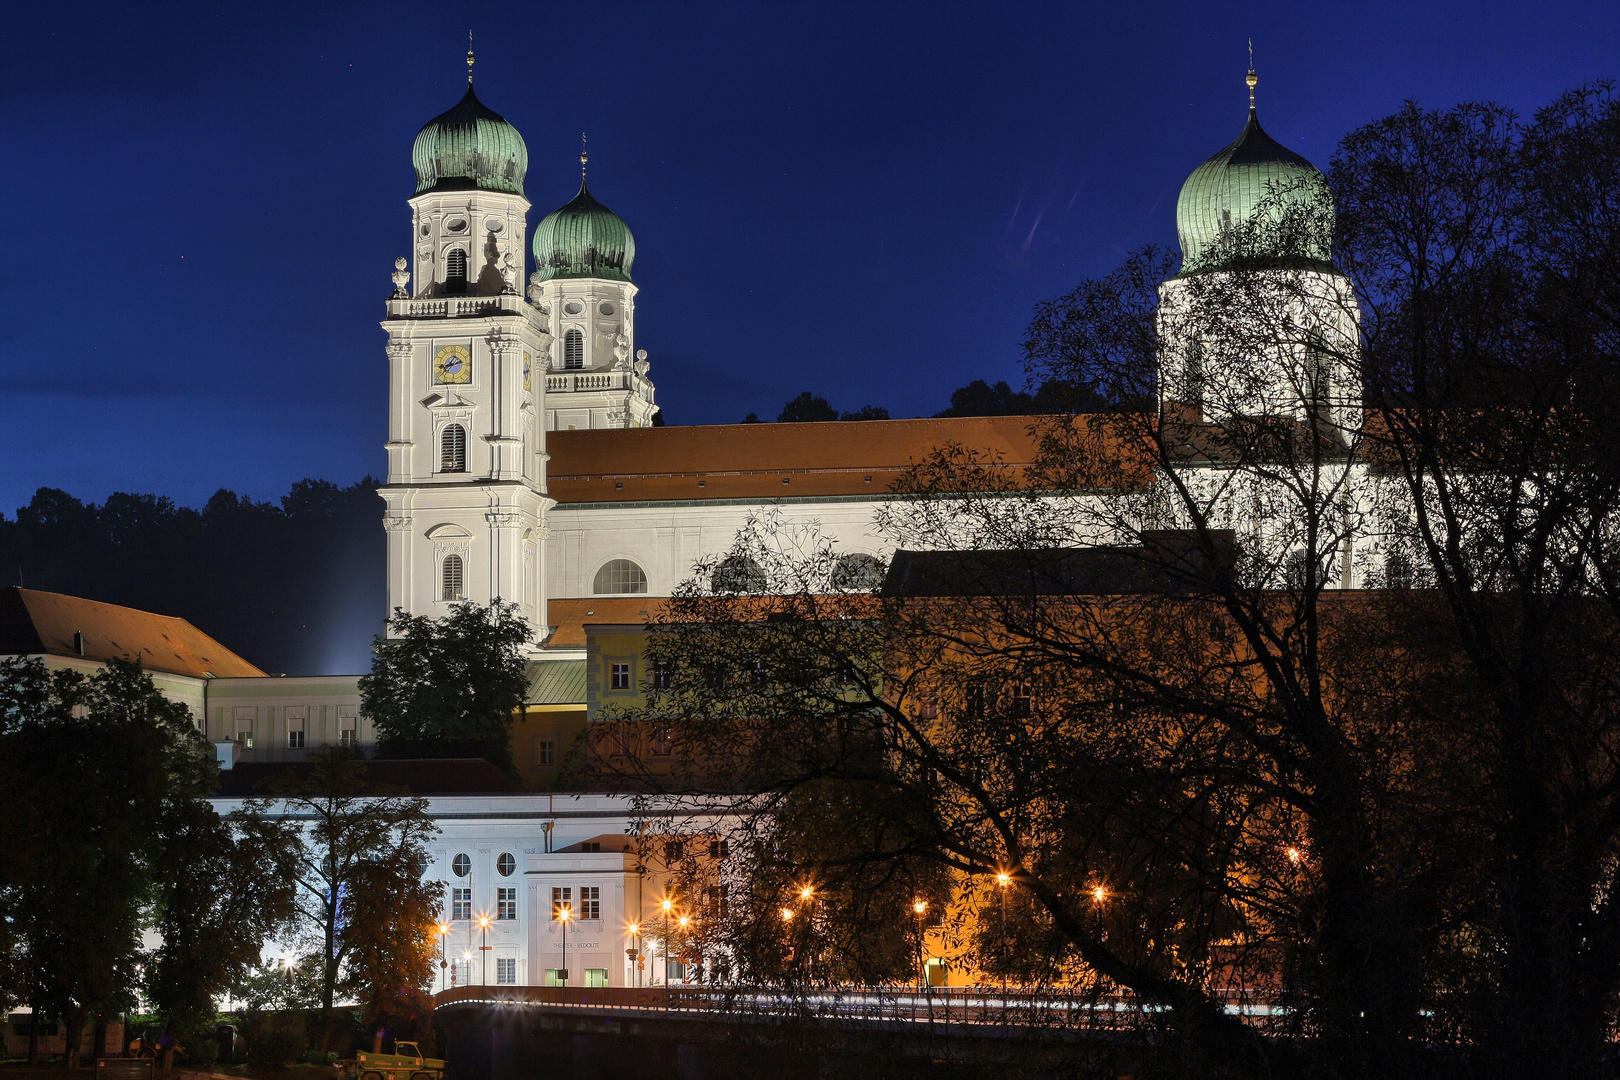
(454, 575)
(455, 271)
(453, 455)
(573, 349)
(620, 576)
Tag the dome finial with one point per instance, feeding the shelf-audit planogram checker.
(583, 158)
(1253, 78)
(469, 57)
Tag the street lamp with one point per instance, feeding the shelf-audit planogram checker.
(683, 921)
(562, 916)
(483, 963)
(442, 929)
(920, 906)
(1002, 881)
(668, 904)
(635, 951)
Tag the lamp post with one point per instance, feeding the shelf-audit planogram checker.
(635, 951)
(668, 904)
(483, 962)
(444, 961)
(563, 918)
(920, 907)
(683, 921)
(1002, 880)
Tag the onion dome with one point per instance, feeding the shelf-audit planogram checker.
(583, 239)
(469, 148)
(1255, 178)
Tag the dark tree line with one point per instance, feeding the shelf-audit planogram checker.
(281, 584)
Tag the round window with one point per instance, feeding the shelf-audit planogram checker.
(506, 864)
(456, 224)
(426, 229)
(606, 308)
(493, 224)
(573, 307)
(461, 865)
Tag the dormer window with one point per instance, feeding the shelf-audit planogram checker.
(573, 349)
(453, 445)
(455, 272)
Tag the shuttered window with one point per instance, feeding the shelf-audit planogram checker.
(453, 449)
(455, 271)
(454, 579)
(573, 349)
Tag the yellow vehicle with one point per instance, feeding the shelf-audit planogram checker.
(405, 1063)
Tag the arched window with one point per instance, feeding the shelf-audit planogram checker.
(455, 272)
(857, 572)
(620, 576)
(737, 574)
(573, 349)
(453, 455)
(454, 579)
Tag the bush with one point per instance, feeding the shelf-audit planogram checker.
(274, 1048)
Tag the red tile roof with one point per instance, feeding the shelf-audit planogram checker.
(34, 623)
(751, 461)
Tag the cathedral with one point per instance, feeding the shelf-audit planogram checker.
(526, 462)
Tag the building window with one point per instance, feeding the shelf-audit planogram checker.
(295, 736)
(857, 573)
(460, 905)
(1397, 571)
(506, 903)
(556, 977)
(506, 970)
(737, 574)
(560, 902)
(663, 740)
(596, 977)
(620, 576)
(1023, 701)
(590, 902)
(714, 898)
(453, 449)
(455, 272)
(454, 579)
(674, 851)
(719, 849)
(620, 676)
(461, 866)
(545, 752)
(244, 735)
(624, 740)
(664, 676)
(573, 349)
(505, 864)
(591, 846)
(348, 737)
(348, 726)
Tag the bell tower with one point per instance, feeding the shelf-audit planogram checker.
(465, 496)
(595, 377)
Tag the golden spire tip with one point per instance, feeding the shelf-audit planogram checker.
(469, 58)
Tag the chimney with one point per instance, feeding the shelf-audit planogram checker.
(78, 642)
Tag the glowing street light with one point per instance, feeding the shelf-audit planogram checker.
(483, 964)
(787, 914)
(806, 893)
(920, 907)
(562, 917)
(1099, 894)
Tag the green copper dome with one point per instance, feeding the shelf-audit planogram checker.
(583, 239)
(1227, 191)
(469, 148)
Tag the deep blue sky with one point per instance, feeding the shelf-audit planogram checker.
(865, 200)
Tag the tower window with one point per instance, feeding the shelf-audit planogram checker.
(573, 349)
(454, 579)
(620, 576)
(455, 271)
(453, 457)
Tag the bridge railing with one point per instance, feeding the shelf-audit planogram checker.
(1068, 1008)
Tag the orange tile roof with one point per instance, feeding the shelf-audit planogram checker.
(569, 615)
(751, 461)
(33, 622)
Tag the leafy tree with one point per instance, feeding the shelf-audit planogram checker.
(806, 408)
(338, 840)
(393, 944)
(450, 685)
(100, 763)
(866, 412)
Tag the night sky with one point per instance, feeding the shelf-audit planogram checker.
(862, 200)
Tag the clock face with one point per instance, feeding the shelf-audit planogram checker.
(452, 364)
(525, 371)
